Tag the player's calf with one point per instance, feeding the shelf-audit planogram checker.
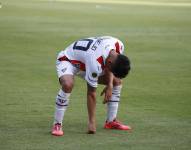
(112, 105)
(62, 101)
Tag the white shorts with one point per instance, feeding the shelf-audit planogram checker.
(66, 68)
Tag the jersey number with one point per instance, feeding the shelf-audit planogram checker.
(83, 44)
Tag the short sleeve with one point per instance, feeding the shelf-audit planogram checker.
(115, 44)
(93, 70)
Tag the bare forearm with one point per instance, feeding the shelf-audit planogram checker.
(109, 86)
(110, 77)
(91, 105)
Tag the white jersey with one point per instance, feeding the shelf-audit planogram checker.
(90, 54)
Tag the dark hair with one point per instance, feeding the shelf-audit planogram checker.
(121, 67)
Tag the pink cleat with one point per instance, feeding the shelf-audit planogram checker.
(116, 125)
(57, 130)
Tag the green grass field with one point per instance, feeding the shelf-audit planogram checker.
(156, 97)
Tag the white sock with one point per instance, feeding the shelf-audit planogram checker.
(112, 105)
(62, 101)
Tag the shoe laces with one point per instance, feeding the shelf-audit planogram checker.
(57, 126)
(117, 121)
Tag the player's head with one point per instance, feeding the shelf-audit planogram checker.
(119, 65)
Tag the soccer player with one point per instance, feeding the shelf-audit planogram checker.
(98, 60)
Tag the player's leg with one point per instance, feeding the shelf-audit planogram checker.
(62, 98)
(66, 78)
(113, 104)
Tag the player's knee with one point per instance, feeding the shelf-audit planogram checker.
(67, 87)
(67, 84)
(117, 82)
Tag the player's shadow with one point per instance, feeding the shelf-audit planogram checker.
(75, 127)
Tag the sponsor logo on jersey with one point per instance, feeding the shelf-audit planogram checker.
(94, 75)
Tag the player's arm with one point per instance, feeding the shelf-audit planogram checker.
(109, 86)
(91, 105)
(92, 73)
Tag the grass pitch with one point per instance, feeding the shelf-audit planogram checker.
(155, 99)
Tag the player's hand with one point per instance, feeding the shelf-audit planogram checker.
(108, 93)
(91, 128)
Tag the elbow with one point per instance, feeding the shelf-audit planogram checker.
(92, 95)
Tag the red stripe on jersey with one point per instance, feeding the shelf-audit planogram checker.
(100, 60)
(117, 47)
(77, 63)
(64, 58)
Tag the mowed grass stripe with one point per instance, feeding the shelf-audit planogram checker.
(146, 3)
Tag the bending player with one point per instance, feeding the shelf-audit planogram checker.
(98, 60)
